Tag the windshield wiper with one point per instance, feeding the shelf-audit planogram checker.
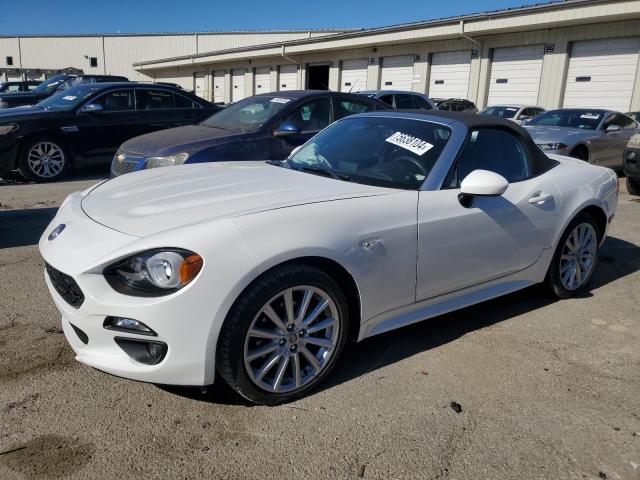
(323, 172)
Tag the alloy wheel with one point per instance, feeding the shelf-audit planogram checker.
(578, 257)
(46, 159)
(291, 339)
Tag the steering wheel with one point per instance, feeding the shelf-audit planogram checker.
(415, 167)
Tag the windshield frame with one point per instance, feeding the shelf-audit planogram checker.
(441, 165)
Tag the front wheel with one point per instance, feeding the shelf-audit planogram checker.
(43, 160)
(633, 186)
(575, 257)
(284, 335)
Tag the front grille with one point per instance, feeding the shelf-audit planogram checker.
(66, 286)
(126, 165)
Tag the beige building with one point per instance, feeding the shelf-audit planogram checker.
(571, 53)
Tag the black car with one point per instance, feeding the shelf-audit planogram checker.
(263, 127)
(85, 124)
(455, 105)
(55, 84)
(18, 86)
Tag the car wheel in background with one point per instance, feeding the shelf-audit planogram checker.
(575, 257)
(43, 159)
(581, 153)
(283, 335)
(633, 186)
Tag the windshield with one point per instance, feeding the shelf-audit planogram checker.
(68, 99)
(388, 152)
(502, 112)
(584, 119)
(247, 115)
(51, 84)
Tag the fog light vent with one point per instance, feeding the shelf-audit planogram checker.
(129, 325)
(143, 351)
(81, 335)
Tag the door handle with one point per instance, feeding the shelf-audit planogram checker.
(540, 198)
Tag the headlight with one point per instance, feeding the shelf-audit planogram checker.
(4, 129)
(154, 273)
(177, 159)
(552, 146)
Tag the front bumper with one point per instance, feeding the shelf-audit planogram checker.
(187, 321)
(632, 162)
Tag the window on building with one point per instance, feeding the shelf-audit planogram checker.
(93, 62)
(9, 61)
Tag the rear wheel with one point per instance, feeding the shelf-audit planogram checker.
(633, 186)
(43, 159)
(575, 257)
(283, 335)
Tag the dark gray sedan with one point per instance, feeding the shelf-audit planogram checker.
(594, 135)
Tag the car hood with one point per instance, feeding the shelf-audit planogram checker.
(176, 140)
(21, 95)
(150, 201)
(568, 136)
(17, 113)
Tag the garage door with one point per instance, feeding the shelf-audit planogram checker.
(353, 75)
(200, 82)
(515, 75)
(397, 73)
(288, 79)
(450, 74)
(602, 73)
(218, 87)
(263, 80)
(237, 84)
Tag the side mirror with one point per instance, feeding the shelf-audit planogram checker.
(481, 183)
(613, 128)
(286, 129)
(91, 108)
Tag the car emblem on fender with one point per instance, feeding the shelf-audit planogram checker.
(56, 231)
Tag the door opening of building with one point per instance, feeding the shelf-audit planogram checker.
(318, 77)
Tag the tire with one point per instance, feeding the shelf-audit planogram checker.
(563, 269)
(237, 343)
(581, 153)
(43, 159)
(633, 186)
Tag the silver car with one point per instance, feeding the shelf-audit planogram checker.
(516, 113)
(594, 135)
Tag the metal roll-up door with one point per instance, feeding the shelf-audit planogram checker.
(262, 80)
(353, 77)
(450, 74)
(602, 74)
(288, 77)
(397, 73)
(515, 75)
(218, 87)
(237, 84)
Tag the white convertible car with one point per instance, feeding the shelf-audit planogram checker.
(263, 270)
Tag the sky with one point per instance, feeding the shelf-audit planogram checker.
(127, 16)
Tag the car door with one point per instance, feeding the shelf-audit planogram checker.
(157, 110)
(343, 107)
(98, 134)
(460, 247)
(309, 118)
(607, 149)
(404, 101)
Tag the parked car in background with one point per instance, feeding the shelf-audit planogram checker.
(632, 164)
(266, 126)
(258, 272)
(593, 135)
(517, 113)
(455, 105)
(55, 84)
(18, 86)
(401, 100)
(85, 124)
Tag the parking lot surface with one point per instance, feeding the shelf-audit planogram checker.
(519, 387)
